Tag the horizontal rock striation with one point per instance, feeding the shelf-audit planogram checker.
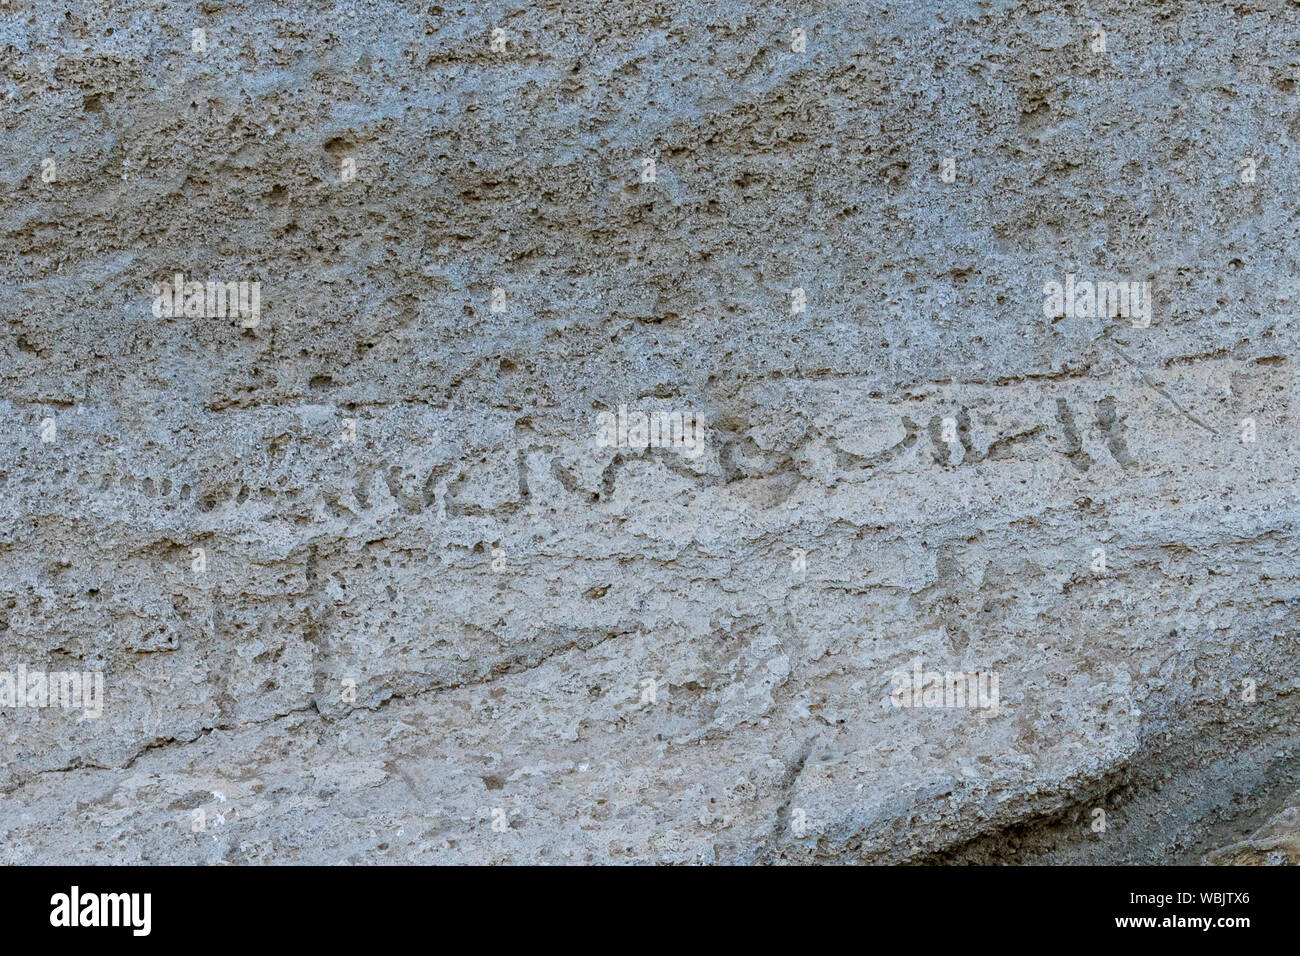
(364, 578)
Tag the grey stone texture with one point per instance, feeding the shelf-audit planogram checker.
(430, 604)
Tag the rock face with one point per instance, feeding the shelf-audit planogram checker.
(986, 314)
(1276, 843)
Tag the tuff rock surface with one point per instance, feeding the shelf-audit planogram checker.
(364, 586)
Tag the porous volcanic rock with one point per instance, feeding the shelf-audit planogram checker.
(363, 579)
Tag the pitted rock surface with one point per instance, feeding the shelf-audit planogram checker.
(364, 570)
